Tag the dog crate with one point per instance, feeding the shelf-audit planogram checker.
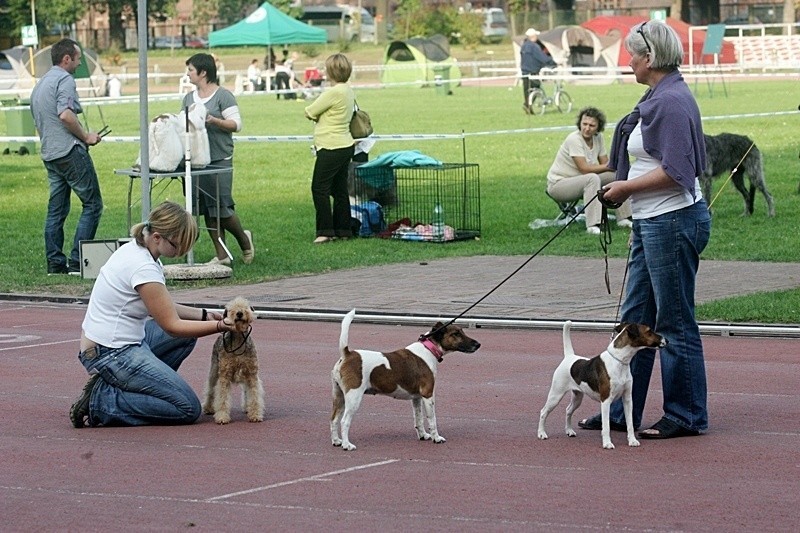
(435, 203)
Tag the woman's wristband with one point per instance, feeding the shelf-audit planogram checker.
(205, 315)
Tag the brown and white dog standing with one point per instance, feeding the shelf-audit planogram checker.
(604, 378)
(406, 374)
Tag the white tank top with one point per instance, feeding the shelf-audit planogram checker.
(647, 204)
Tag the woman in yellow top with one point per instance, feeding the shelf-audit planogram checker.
(332, 112)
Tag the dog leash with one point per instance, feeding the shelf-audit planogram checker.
(235, 351)
(605, 231)
(734, 171)
(608, 204)
(622, 290)
(537, 252)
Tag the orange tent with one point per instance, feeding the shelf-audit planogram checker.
(620, 26)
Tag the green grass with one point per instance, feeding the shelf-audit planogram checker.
(781, 307)
(272, 182)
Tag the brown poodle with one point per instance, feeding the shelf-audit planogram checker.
(234, 360)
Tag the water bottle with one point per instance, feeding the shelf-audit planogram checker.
(438, 223)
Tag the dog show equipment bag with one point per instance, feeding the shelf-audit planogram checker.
(166, 134)
(198, 136)
(360, 124)
(370, 218)
(165, 143)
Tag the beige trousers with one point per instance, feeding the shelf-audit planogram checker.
(586, 185)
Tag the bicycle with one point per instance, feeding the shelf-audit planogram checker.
(538, 99)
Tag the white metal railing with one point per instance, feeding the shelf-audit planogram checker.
(482, 71)
(758, 38)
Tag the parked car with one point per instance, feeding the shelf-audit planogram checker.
(8, 78)
(196, 42)
(340, 22)
(175, 41)
(495, 24)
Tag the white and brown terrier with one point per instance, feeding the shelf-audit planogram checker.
(233, 361)
(604, 378)
(405, 374)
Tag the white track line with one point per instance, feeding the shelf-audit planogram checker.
(26, 346)
(300, 480)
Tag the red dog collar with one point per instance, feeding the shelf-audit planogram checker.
(433, 348)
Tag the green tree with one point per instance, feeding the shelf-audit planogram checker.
(442, 20)
(16, 14)
(469, 28)
(120, 11)
(63, 13)
(524, 8)
(227, 12)
(413, 20)
(408, 19)
(50, 14)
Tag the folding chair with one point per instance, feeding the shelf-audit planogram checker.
(568, 209)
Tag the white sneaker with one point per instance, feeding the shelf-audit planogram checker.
(625, 223)
(217, 261)
(248, 255)
(593, 230)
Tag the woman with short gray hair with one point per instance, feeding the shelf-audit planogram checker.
(662, 44)
(671, 228)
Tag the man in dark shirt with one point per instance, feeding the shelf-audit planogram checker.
(532, 60)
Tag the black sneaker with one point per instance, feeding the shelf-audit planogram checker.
(54, 269)
(74, 268)
(79, 411)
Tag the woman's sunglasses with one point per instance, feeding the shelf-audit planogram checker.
(640, 32)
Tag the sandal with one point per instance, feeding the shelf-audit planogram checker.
(596, 424)
(666, 429)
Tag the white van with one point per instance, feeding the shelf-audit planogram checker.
(495, 24)
(341, 22)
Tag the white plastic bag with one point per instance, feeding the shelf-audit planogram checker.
(165, 145)
(201, 151)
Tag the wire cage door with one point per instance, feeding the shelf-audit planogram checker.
(441, 203)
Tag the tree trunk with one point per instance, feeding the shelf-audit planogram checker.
(788, 12)
(676, 9)
(116, 28)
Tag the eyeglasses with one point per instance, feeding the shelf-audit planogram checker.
(640, 32)
(169, 241)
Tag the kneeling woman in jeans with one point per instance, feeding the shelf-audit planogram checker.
(135, 337)
(332, 112)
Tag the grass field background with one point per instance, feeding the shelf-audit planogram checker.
(514, 151)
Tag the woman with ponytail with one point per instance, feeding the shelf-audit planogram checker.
(134, 336)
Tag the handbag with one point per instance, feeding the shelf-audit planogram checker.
(360, 124)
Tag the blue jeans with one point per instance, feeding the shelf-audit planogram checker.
(140, 384)
(73, 172)
(665, 255)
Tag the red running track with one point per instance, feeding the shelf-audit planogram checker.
(491, 475)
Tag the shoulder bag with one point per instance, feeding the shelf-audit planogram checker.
(360, 124)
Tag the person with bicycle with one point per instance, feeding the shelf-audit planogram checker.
(579, 169)
(532, 60)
